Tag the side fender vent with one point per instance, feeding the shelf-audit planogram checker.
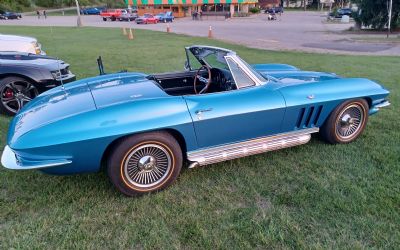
(300, 118)
(308, 117)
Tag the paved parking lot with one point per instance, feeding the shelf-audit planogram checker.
(302, 31)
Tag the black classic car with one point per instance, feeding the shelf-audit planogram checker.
(9, 15)
(23, 76)
(342, 12)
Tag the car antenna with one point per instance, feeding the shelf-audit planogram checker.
(100, 65)
(59, 71)
(58, 62)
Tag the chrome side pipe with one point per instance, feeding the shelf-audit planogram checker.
(250, 147)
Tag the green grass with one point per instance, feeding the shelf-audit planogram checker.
(312, 196)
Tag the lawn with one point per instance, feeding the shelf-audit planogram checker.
(312, 196)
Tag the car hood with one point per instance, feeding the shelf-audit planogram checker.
(288, 77)
(4, 37)
(287, 74)
(15, 58)
(79, 97)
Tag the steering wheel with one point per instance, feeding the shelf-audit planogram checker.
(202, 79)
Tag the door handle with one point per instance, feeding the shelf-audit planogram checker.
(201, 111)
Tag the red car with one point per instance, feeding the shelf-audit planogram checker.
(112, 14)
(146, 18)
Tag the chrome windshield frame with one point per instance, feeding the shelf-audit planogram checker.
(245, 69)
(233, 56)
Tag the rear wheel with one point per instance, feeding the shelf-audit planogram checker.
(346, 123)
(104, 19)
(145, 163)
(15, 92)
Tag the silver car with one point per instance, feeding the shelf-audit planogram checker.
(20, 44)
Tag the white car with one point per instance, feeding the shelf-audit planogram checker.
(20, 44)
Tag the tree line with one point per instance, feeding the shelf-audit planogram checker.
(21, 5)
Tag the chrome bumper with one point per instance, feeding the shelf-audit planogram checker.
(382, 104)
(9, 160)
(375, 108)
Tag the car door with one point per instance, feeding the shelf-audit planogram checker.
(250, 111)
(237, 115)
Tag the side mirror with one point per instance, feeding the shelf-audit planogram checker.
(187, 66)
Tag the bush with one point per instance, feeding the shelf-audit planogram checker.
(254, 10)
(374, 13)
(14, 5)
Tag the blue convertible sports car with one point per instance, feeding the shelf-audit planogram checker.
(143, 127)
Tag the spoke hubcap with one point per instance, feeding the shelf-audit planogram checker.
(147, 165)
(350, 121)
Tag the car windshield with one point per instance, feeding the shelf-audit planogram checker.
(147, 15)
(215, 58)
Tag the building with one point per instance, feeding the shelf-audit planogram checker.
(264, 4)
(182, 8)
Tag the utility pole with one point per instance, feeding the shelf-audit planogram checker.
(78, 10)
(390, 17)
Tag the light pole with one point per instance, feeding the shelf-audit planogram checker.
(79, 21)
(390, 17)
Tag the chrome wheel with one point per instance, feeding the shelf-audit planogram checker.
(147, 165)
(350, 121)
(16, 94)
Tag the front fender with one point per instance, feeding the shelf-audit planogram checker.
(317, 100)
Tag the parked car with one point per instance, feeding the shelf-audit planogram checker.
(342, 12)
(165, 17)
(23, 76)
(92, 10)
(144, 126)
(128, 16)
(274, 10)
(112, 14)
(20, 44)
(9, 15)
(146, 18)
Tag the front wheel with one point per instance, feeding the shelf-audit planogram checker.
(104, 19)
(145, 163)
(346, 123)
(15, 92)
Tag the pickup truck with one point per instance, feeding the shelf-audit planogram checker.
(112, 14)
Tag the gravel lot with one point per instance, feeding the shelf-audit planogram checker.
(302, 31)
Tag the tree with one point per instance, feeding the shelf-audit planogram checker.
(375, 13)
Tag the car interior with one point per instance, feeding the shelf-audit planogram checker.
(182, 83)
(207, 72)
